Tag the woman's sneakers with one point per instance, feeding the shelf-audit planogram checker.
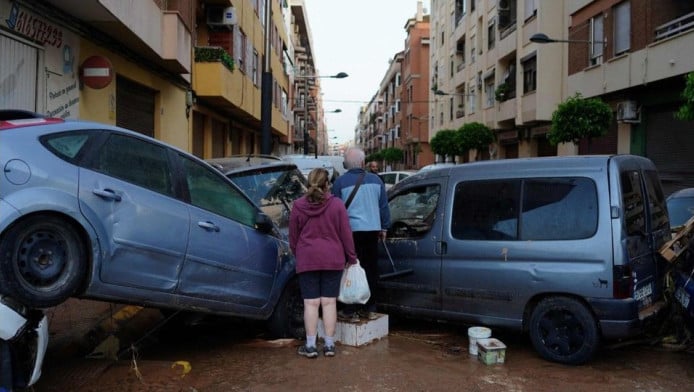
(329, 351)
(309, 352)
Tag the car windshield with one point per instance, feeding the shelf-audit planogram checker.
(680, 210)
(273, 189)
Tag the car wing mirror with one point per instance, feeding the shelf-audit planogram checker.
(263, 223)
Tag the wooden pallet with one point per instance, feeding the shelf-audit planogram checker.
(672, 249)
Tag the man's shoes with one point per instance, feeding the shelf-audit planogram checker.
(308, 352)
(368, 315)
(329, 351)
(348, 317)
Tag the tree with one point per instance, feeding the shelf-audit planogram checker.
(686, 111)
(444, 143)
(474, 136)
(578, 118)
(377, 156)
(392, 154)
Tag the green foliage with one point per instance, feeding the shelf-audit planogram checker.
(444, 143)
(501, 92)
(474, 136)
(393, 154)
(578, 118)
(377, 156)
(211, 54)
(686, 111)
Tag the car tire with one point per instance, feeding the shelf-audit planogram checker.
(43, 261)
(563, 330)
(287, 320)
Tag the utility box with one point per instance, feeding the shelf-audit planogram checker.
(358, 334)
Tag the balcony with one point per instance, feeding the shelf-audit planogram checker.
(675, 27)
(146, 30)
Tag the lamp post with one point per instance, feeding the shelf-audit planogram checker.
(541, 38)
(339, 75)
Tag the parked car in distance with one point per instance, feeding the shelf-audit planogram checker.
(437, 166)
(680, 207)
(562, 248)
(272, 184)
(97, 211)
(391, 178)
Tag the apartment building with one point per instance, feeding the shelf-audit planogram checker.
(308, 127)
(634, 54)
(397, 115)
(485, 69)
(154, 66)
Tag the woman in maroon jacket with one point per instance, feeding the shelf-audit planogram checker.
(321, 239)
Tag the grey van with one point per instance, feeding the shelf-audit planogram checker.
(563, 248)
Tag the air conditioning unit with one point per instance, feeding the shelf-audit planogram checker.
(221, 17)
(628, 111)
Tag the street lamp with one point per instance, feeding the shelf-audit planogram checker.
(541, 38)
(339, 75)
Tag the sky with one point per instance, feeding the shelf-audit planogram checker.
(358, 37)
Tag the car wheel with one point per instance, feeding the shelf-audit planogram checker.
(43, 261)
(563, 330)
(287, 320)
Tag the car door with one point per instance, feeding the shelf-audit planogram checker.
(414, 243)
(228, 259)
(126, 191)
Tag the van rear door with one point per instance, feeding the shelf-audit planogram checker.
(643, 225)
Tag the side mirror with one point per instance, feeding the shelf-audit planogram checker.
(263, 223)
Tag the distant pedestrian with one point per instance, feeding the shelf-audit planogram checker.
(369, 216)
(373, 167)
(320, 237)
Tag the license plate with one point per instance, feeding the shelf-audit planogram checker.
(643, 292)
(682, 297)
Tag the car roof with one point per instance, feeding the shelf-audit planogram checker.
(686, 192)
(240, 163)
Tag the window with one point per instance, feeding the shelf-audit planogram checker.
(472, 103)
(549, 209)
(530, 75)
(254, 71)
(136, 161)
(413, 212)
(633, 202)
(67, 146)
(622, 29)
(211, 192)
(491, 35)
(597, 37)
(240, 49)
(489, 95)
(472, 5)
(472, 50)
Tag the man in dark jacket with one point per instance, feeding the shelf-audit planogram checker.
(369, 217)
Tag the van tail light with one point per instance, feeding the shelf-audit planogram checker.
(623, 282)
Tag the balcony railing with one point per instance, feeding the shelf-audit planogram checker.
(675, 27)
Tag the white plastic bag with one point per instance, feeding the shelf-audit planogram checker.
(354, 288)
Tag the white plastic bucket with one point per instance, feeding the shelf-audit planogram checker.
(475, 333)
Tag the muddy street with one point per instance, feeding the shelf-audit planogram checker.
(218, 355)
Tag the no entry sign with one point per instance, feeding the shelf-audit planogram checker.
(97, 72)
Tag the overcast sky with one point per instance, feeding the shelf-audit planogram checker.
(358, 37)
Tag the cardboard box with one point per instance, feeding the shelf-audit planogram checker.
(491, 351)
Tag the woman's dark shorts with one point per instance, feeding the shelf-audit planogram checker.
(316, 284)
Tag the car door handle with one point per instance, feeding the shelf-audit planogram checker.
(107, 194)
(209, 226)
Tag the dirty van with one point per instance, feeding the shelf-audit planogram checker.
(562, 248)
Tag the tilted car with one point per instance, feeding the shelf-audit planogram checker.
(562, 248)
(391, 178)
(101, 212)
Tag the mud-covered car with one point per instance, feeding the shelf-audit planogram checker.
(97, 211)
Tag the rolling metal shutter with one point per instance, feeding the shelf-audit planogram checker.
(18, 75)
(134, 106)
(669, 146)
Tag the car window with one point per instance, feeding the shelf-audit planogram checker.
(67, 145)
(136, 161)
(680, 210)
(273, 189)
(656, 201)
(211, 192)
(551, 209)
(632, 200)
(388, 178)
(412, 212)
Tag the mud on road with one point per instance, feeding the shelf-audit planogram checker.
(218, 355)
